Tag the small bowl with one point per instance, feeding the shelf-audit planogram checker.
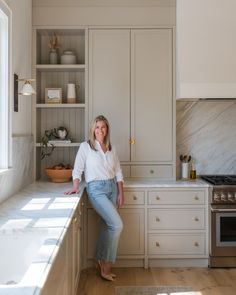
(59, 175)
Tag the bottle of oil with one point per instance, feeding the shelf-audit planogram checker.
(193, 173)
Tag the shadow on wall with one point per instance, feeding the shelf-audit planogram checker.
(206, 130)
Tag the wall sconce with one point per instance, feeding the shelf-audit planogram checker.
(26, 90)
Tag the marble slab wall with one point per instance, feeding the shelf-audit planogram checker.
(22, 172)
(207, 131)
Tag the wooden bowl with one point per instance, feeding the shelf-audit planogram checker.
(59, 175)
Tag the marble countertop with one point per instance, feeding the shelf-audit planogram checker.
(37, 218)
(151, 183)
(34, 220)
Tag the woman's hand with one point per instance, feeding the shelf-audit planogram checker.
(120, 200)
(72, 191)
(75, 189)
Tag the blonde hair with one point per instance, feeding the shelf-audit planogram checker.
(92, 137)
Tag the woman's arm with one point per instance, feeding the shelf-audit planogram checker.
(120, 197)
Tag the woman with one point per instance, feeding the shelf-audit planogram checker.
(99, 162)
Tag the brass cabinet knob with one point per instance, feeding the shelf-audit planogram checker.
(196, 244)
(157, 198)
(132, 141)
(157, 244)
(75, 219)
(196, 218)
(157, 219)
(151, 171)
(135, 198)
(196, 198)
(82, 204)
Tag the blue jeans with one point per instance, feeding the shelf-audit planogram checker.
(103, 196)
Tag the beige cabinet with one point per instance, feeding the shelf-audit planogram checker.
(132, 238)
(206, 64)
(64, 275)
(164, 226)
(130, 82)
(177, 223)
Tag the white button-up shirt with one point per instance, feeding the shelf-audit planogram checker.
(96, 165)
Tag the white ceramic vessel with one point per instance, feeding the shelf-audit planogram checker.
(68, 57)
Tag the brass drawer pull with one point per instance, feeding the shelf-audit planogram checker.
(157, 244)
(132, 141)
(157, 219)
(196, 244)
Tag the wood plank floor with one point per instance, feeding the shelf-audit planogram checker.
(204, 281)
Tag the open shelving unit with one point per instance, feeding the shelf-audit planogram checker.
(72, 116)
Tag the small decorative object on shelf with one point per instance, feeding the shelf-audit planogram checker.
(68, 58)
(71, 92)
(51, 138)
(53, 95)
(59, 173)
(53, 45)
(185, 160)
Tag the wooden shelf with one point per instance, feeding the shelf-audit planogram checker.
(60, 105)
(72, 144)
(59, 67)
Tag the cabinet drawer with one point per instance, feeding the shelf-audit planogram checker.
(178, 197)
(125, 170)
(176, 219)
(156, 171)
(176, 244)
(134, 197)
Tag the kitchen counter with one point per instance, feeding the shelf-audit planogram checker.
(151, 183)
(32, 226)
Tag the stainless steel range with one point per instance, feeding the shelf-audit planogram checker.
(223, 220)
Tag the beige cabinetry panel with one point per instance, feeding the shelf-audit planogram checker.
(109, 80)
(151, 95)
(133, 220)
(176, 219)
(132, 236)
(130, 82)
(176, 197)
(176, 244)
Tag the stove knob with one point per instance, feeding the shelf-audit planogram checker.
(230, 196)
(216, 197)
(223, 197)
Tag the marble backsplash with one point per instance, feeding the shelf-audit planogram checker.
(207, 131)
(22, 172)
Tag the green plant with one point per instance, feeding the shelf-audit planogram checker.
(46, 147)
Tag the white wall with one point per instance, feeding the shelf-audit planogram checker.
(21, 173)
(21, 42)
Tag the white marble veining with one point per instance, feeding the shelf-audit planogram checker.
(206, 130)
(33, 223)
(21, 173)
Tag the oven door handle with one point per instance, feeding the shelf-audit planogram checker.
(223, 210)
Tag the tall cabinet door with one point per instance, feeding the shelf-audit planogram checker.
(109, 83)
(151, 95)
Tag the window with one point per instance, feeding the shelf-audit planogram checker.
(5, 82)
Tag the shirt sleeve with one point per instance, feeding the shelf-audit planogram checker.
(118, 171)
(80, 160)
